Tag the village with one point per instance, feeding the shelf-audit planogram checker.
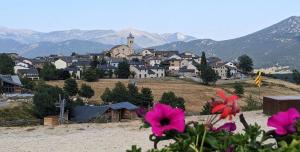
(148, 63)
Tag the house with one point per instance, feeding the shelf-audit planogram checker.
(62, 63)
(96, 55)
(81, 64)
(152, 60)
(31, 73)
(188, 55)
(213, 61)
(74, 71)
(186, 72)
(221, 69)
(10, 84)
(123, 51)
(147, 52)
(185, 62)
(115, 61)
(38, 63)
(135, 57)
(106, 113)
(174, 56)
(165, 54)
(174, 64)
(20, 65)
(108, 68)
(147, 72)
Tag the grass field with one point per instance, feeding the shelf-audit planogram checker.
(194, 93)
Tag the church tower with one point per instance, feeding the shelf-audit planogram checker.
(130, 41)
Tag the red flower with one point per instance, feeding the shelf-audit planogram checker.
(228, 107)
(164, 118)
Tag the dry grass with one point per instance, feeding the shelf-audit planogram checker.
(195, 94)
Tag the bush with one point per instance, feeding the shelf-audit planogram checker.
(252, 104)
(44, 100)
(238, 89)
(86, 91)
(171, 99)
(206, 109)
(49, 72)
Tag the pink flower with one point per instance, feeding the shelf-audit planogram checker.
(164, 118)
(228, 127)
(284, 122)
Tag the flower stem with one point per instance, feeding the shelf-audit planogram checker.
(203, 138)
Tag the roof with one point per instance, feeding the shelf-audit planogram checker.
(12, 79)
(86, 113)
(186, 70)
(107, 67)
(284, 97)
(136, 62)
(123, 105)
(82, 63)
(28, 71)
(118, 46)
(151, 72)
(116, 60)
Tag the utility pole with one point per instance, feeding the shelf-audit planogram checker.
(61, 109)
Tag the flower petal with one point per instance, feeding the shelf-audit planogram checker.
(218, 108)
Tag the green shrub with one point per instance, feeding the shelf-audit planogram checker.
(206, 109)
(238, 89)
(252, 104)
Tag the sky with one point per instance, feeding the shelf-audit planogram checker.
(214, 19)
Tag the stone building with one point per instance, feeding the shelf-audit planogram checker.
(123, 51)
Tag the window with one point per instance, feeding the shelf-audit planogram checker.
(145, 75)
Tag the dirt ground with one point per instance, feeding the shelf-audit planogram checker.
(111, 137)
(194, 94)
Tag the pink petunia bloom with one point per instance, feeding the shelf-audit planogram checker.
(228, 127)
(164, 118)
(284, 122)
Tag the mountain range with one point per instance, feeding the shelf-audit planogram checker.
(278, 44)
(32, 43)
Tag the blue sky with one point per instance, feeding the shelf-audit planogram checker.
(216, 19)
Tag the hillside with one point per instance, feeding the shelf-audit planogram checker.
(277, 44)
(195, 94)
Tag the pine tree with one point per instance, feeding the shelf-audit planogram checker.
(133, 94)
(208, 75)
(203, 59)
(49, 72)
(6, 64)
(70, 87)
(123, 70)
(90, 75)
(245, 63)
(107, 96)
(146, 97)
(120, 93)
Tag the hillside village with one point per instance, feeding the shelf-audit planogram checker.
(148, 63)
